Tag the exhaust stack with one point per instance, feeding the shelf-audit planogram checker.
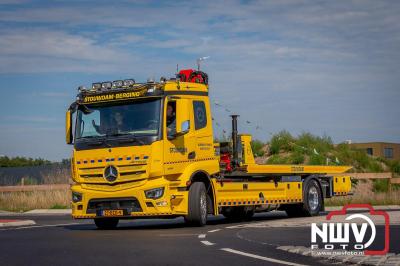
(235, 147)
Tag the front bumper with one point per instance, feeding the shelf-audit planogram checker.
(131, 201)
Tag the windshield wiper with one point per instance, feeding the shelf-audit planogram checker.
(90, 137)
(131, 138)
(94, 140)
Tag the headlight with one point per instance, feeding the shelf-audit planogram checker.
(154, 193)
(76, 197)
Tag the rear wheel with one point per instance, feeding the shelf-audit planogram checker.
(197, 212)
(106, 223)
(312, 201)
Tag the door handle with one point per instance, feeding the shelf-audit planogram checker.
(192, 155)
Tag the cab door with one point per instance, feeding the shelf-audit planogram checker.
(203, 129)
(179, 148)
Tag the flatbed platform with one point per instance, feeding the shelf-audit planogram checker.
(294, 169)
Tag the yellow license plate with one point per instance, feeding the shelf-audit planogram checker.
(113, 213)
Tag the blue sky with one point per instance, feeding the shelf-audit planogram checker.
(327, 67)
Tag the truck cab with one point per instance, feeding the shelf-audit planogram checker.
(137, 147)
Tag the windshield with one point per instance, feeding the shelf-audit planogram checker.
(138, 118)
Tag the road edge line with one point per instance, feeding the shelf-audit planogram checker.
(238, 252)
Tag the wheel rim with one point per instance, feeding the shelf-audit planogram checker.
(313, 198)
(203, 207)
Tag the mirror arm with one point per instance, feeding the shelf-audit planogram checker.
(178, 134)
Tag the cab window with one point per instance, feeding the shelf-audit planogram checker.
(171, 118)
(200, 116)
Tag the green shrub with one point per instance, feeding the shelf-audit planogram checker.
(276, 159)
(314, 150)
(257, 147)
(381, 185)
(316, 159)
(394, 166)
(282, 141)
(21, 161)
(374, 167)
(296, 158)
(358, 158)
(310, 142)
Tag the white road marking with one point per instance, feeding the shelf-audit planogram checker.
(173, 235)
(202, 236)
(215, 230)
(260, 257)
(207, 243)
(38, 226)
(237, 226)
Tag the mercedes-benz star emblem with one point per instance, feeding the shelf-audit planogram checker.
(110, 173)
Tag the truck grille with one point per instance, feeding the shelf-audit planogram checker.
(127, 173)
(113, 187)
(128, 204)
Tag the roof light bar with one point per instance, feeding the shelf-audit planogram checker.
(81, 88)
(106, 85)
(129, 82)
(96, 86)
(117, 84)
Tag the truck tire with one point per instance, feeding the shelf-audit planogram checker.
(312, 201)
(197, 212)
(106, 223)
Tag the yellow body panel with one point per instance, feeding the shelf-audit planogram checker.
(247, 154)
(257, 193)
(341, 185)
(295, 169)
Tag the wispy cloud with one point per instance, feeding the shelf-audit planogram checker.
(330, 65)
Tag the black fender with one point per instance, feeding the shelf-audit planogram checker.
(204, 177)
(317, 179)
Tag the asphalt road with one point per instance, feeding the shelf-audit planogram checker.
(59, 240)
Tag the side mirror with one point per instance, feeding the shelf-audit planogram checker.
(185, 127)
(182, 116)
(68, 127)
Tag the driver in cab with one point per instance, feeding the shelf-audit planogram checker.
(171, 120)
(117, 125)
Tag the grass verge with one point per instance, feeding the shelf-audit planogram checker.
(24, 201)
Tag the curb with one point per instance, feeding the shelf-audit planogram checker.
(7, 223)
(49, 211)
(37, 212)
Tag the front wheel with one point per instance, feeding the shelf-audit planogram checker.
(197, 212)
(106, 223)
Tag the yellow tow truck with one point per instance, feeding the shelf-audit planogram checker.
(147, 150)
